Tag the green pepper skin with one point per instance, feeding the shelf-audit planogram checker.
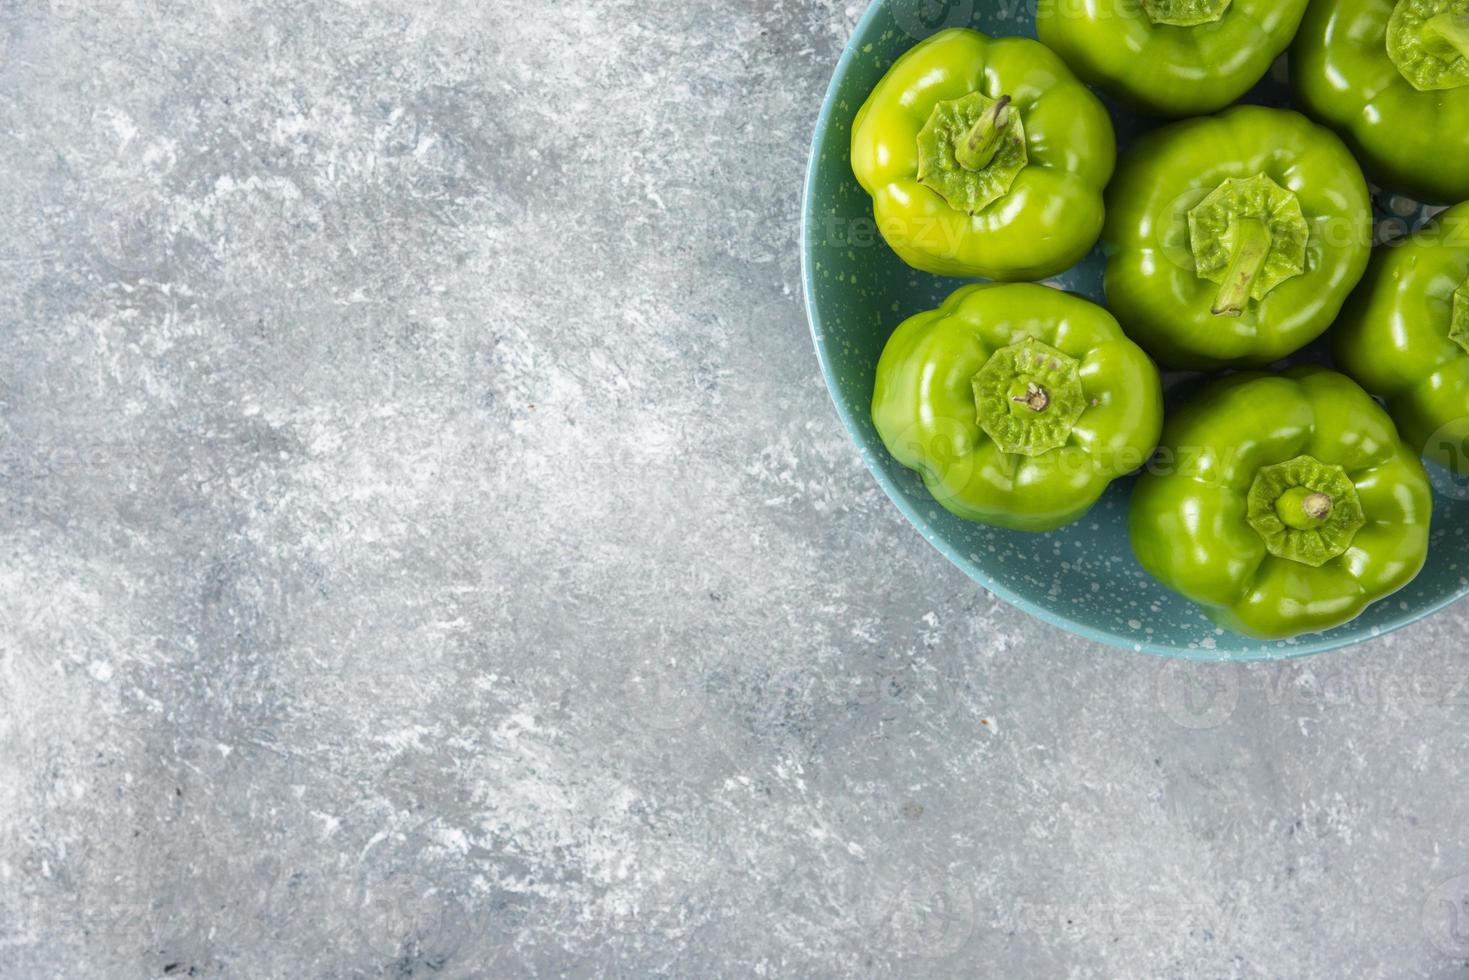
(1165, 69)
(1152, 282)
(1394, 337)
(1051, 216)
(924, 406)
(1409, 141)
(1189, 523)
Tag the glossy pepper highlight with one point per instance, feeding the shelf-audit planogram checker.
(1405, 336)
(1170, 57)
(1284, 504)
(1017, 404)
(984, 158)
(1234, 240)
(1392, 76)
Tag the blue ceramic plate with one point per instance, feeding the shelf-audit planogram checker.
(1084, 578)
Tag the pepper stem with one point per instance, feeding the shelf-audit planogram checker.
(1036, 397)
(1303, 509)
(1252, 241)
(1184, 13)
(977, 148)
(1451, 29)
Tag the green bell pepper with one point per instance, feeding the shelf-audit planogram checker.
(1393, 78)
(1018, 404)
(984, 158)
(1405, 336)
(1233, 240)
(1284, 504)
(1171, 57)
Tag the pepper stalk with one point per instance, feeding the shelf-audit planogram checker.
(1252, 240)
(977, 149)
(1303, 508)
(1450, 27)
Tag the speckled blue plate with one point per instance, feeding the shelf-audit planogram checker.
(1084, 578)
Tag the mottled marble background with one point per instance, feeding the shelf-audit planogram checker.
(429, 550)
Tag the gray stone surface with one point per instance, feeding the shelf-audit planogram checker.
(430, 551)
